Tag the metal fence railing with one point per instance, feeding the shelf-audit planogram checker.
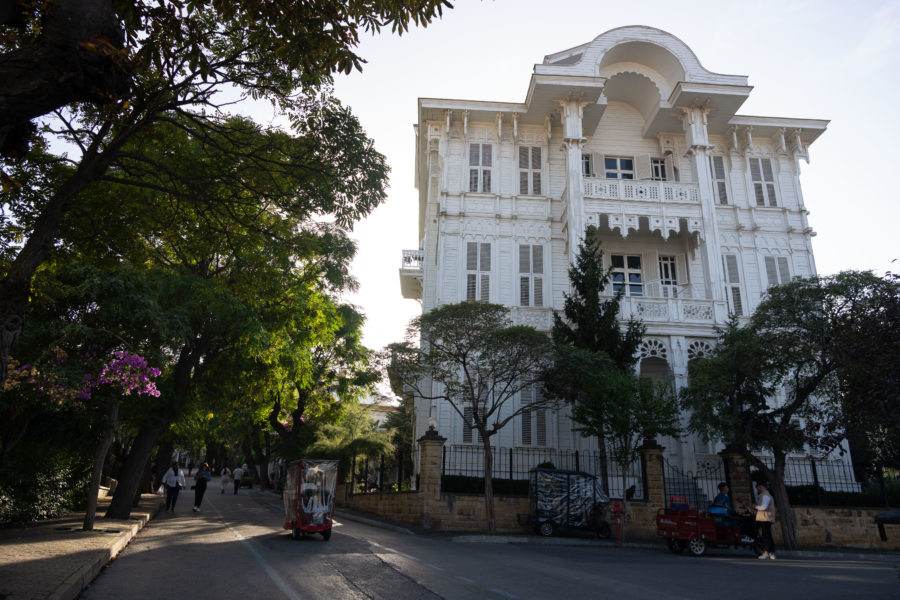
(386, 473)
(462, 469)
(835, 482)
(699, 487)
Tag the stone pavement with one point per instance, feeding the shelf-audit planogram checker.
(55, 559)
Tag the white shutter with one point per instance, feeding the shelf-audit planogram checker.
(783, 270)
(771, 271)
(474, 155)
(467, 427)
(523, 182)
(471, 256)
(731, 269)
(642, 168)
(541, 417)
(523, 157)
(537, 268)
(597, 164)
(669, 161)
(526, 399)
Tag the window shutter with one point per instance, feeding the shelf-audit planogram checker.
(642, 168)
(526, 400)
(523, 157)
(538, 261)
(487, 155)
(536, 183)
(485, 264)
(536, 157)
(523, 182)
(474, 155)
(541, 427)
(783, 270)
(524, 259)
(538, 291)
(736, 301)
(771, 271)
(485, 288)
(473, 180)
(669, 161)
(767, 170)
(524, 289)
(597, 164)
(718, 164)
(471, 256)
(467, 427)
(471, 286)
(755, 169)
(486, 181)
(731, 269)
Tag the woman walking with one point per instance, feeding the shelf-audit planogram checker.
(765, 516)
(201, 479)
(174, 481)
(226, 478)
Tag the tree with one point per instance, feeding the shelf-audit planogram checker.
(782, 383)
(620, 408)
(181, 58)
(56, 53)
(472, 357)
(588, 337)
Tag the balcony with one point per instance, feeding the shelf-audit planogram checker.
(671, 310)
(649, 191)
(412, 272)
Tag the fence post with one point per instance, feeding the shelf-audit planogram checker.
(353, 476)
(510, 471)
(431, 469)
(654, 480)
(577, 461)
(815, 474)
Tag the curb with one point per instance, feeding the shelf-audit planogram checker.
(76, 583)
(372, 522)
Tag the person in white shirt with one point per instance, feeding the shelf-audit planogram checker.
(765, 516)
(238, 474)
(226, 477)
(174, 481)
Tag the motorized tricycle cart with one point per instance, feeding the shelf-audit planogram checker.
(309, 496)
(561, 500)
(684, 527)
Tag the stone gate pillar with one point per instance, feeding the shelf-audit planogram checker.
(737, 474)
(430, 452)
(654, 483)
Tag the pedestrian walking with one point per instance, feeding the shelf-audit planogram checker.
(765, 516)
(201, 479)
(226, 477)
(238, 474)
(174, 481)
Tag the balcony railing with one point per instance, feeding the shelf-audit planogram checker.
(413, 259)
(672, 310)
(650, 191)
(411, 274)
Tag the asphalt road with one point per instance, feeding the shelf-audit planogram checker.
(235, 548)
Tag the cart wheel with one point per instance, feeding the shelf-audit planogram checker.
(676, 546)
(296, 533)
(546, 528)
(604, 530)
(696, 545)
(326, 534)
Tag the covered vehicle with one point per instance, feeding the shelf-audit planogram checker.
(566, 500)
(683, 527)
(309, 496)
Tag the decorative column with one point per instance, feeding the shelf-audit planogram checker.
(572, 112)
(737, 475)
(654, 480)
(694, 120)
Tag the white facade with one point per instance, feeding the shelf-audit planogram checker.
(698, 208)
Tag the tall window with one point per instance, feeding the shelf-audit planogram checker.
(618, 168)
(586, 166)
(626, 274)
(717, 168)
(668, 280)
(530, 170)
(531, 275)
(534, 422)
(733, 285)
(777, 270)
(658, 169)
(480, 159)
(469, 433)
(478, 271)
(763, 181)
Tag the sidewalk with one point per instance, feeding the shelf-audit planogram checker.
(55, 559)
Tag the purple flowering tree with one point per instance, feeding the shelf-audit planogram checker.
(125, 374)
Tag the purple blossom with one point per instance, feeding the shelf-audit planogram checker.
(128, 373)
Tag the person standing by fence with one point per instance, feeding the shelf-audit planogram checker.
(201, 479)
(765, 516)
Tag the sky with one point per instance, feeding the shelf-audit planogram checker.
(805, 59)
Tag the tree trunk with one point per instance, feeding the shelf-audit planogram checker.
(163, 458)
(109, 428)
(488, 484)
(783, 506)
(74, 59)
(604, 466)
(133, 469)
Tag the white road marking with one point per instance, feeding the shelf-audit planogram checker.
(278, 581)
(466, 579)
(502, 593)
(435, 567)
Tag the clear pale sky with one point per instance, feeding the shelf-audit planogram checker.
(806, 59)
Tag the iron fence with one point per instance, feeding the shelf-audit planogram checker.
(698, 487)
(462, 469)
(835, 482)
(386, 473)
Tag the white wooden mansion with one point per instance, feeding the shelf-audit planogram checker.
(699, 208)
